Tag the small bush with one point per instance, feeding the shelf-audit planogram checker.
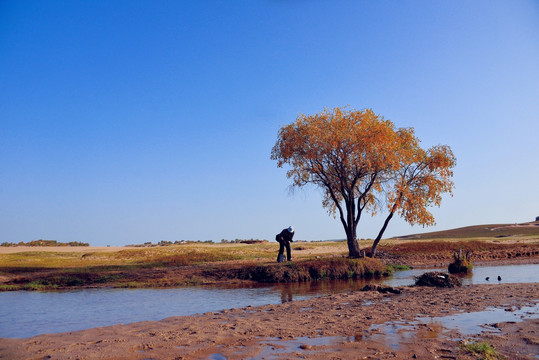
(460, 267)
(482, 350)
(461, 264)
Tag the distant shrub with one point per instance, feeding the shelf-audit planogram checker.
(42, 242)
(243, 241)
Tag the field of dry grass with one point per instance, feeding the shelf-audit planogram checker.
(40, 268)
(172, 265)
(492, 231)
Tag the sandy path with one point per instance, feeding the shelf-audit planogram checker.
(337, 326)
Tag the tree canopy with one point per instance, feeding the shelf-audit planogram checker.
(361, 163)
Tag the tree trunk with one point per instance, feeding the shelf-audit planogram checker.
(353, 246)
(353, 249)
(379, 237)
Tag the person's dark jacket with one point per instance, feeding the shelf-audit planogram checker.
(285, 236)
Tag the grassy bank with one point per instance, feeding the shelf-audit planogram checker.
(194, 264)
(214, 273)
(166, 266)
(306, 270)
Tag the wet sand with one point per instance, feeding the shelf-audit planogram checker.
(355, 325)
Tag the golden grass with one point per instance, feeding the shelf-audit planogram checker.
(191, 254)
(437, 246)
(529, 229)
(182, 255)
(188, 264)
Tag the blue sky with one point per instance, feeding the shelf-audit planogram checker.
(123, 122)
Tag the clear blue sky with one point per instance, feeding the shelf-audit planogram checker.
(123, 122)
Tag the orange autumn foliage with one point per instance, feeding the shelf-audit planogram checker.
(360, 161)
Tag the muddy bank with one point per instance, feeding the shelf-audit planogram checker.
(345, 326)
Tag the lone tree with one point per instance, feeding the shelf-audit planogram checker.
(361, 162)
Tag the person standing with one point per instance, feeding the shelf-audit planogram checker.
(284, 238)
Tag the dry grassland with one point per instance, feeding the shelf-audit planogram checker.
(40, 268)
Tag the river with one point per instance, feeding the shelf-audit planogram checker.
(29, 313)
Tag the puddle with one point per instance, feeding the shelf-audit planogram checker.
(274, 348)
(475, 323)
(397, 334)
(217, 357)
(392, 334)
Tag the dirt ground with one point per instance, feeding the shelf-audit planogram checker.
(355, 325)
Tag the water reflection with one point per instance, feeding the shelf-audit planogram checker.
(286, 295)
(297, 291)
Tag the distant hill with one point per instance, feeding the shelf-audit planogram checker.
(476, 231)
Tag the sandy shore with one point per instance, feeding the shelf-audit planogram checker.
(355, 325)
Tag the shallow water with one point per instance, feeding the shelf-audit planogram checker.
(397, 335)
(511, 274)
(28, 313)
(274, 348)
(476, 322)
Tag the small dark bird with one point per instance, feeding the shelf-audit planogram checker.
(487, 278)
(499, 278)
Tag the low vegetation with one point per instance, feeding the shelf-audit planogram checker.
(481, 350)
(462, 264)
(50, 268)
(45, 243)
(160, 266)
(449, 246)
(499, 231)
(306, 270)
(441, 251)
